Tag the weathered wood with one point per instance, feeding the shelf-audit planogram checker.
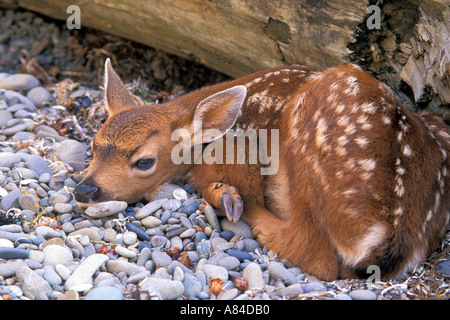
(427, 70)
(235, 37)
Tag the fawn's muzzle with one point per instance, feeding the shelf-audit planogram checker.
(84, 193)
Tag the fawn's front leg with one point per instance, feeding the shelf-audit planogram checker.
(223, 196)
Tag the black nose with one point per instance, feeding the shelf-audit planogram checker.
(84, 193)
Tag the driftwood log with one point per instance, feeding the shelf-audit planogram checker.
(410, 51)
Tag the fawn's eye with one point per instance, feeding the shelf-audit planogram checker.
(144, 164)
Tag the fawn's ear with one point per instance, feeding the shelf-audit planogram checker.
(219, 112)
(117, 97)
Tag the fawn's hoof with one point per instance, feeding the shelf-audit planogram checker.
(232, 209)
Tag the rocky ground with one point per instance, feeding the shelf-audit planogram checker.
(174, 247)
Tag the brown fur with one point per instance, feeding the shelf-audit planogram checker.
(362, 180)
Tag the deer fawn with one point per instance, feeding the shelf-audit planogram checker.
(361, 180)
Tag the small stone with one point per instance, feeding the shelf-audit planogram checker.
(190, 208)
(292, 290)
(18, 82)
(32, 284)
(253, 274)
(187, 234)
(213, 272)
(5, 116)
(151, 222)
(70, 295)
(240, 227)
(228, 294)
(56, 254)
(141, 234)
(363, 295)
(85, 270)
(8, 159)
(47, 232)
(129, 238)
(149, 208)
(158, 241)
(178, 274)
(28, 202)
(226, 234)
(63, 271)
(241, 255)
(91, 233)
(104, 293)
(204, 249)
(168, 289)
(73, 153)
(444, 268)
(124, 252)
(161, 258)
(179, 194)
(105, 209)
(278, 271)
(62, 208)
(229, 263)
(192, 286)
(211, 216)
(123, 266)
(60, 197)
(51, 276)
(5, 243)
(13, 253)
(38, 95)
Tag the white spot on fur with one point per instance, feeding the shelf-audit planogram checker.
(369, 107)
(367, 164)
(343, 121)
(398, 211)
(322, 127)
(375, 235)
(362, 142)
(386, 120)
(407, 151)
(340, 108)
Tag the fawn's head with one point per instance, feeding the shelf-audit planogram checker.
(132, 151)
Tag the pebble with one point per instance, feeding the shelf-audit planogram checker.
(82, 275)
(56, 254)
(141, 234)
(73, 153)
(33, 285)
(149, 208)
(363, 295)
(124, 252)
(168, 289)
(105, 209)
(278, 271)
(38, 95)
(151, 222)
(211, 216)
(18, 82)
(253, 274)
(213, 272)
(13, 253)
(240, 227)
(104, 293)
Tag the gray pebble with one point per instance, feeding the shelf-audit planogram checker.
(104, 293)
(38, 95)
(20, 81)
(363, 295)
(278, 271)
